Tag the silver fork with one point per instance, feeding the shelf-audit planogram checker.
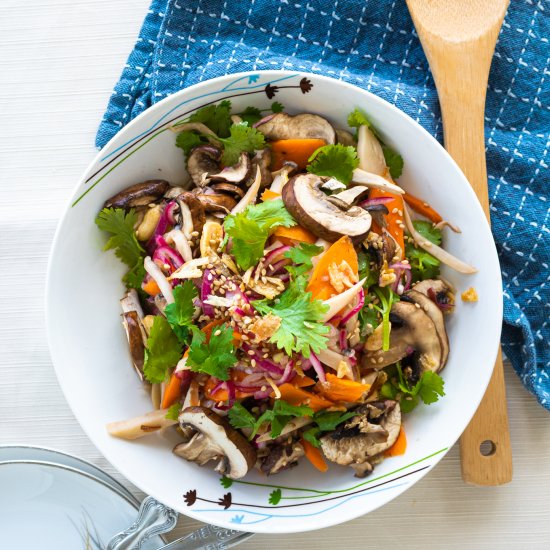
(155, 519)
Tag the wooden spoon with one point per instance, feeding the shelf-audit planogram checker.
(459, 37)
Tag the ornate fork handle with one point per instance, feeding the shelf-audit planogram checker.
(209, 537)
(153, 519)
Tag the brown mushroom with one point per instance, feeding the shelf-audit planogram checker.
(190, 205)
(413, 337)
(236, 173)
(229, 188)
(202, 162)
(302, 126)
(217, 202)
(439, 292)
(282, 457)
(311, 208)
(360, 441)
(261, 159)
(140, 194)
(208, 436)
(132, 315)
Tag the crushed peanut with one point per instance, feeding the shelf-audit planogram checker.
(341, 276)
(470, 295)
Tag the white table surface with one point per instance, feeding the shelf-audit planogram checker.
(59, 60)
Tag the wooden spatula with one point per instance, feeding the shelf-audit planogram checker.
(459, 37)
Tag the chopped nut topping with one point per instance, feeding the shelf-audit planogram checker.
(265, 327)
(470, 295)
(341, 276)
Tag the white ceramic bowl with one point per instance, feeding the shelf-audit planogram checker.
(90, 353)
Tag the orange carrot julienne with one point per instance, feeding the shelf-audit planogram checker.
(293, 150)
(295, 233)
(298, 396)
(423, 208)
(341, 389)
(172, 392)
(394, 218)
(319, 284)
(400, 445)
(314, 455)
(269, 195)
(151, 287)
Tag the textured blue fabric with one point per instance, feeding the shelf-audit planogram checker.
(373, 44)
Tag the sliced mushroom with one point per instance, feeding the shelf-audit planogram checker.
(302, 126)
(346, 198)
(310, 207)
(229, 188)
(132, 315)
(140, 194)
(282, 457)
(192, 207)
(261, 159)
(213, 202)
(413, 335)
(439, 292)
(208, 437)
(202, 162)
(235, 173)
(435, 314)
(360, 441)
(345, 138)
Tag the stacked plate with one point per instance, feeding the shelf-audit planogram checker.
(53, 501)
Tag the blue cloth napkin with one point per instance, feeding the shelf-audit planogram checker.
(373, 45)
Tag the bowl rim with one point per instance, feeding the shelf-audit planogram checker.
(125, 133)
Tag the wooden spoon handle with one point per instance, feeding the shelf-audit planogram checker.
(461, 68)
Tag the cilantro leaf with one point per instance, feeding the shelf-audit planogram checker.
(242, 138)
(368, 316)
(357, 118)
(423, 264)
(216, 117)
(251, 115)
(240, 417)
(311, 435)
(301, 329)
(394, 161)
(429, 388)
(163, 351)
(124, 242)
(366, 271)
(280, 416)
(188, 140)
(336, 161)
(214, 357)
(301, 256)
(250, 229)
(180, 314)
(173, 412)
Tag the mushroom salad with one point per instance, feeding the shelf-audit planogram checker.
(283, 302)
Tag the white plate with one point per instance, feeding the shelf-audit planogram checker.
(9, 453)
(90, 352)
(56, 507)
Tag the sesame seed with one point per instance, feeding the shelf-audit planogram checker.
(244, 337)
(417, 306)
(166, 266)
(380, 359)
(395, 210)
(263, 388)
(194, 233)
(372, 360)
(253, 362)
(217, 333)
(251, 352)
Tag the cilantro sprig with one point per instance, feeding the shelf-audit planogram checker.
(429, 388)
(242, 139)
(163, 351)
(301, 257)
(336, 161)
(123, 241)
(278, 417)
(423, 264)
(253, 114)
(250, 229)
(214, 357)
(301, 329)
(180, 314)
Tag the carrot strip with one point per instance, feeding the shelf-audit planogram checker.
(394, 218)
(319, 284)
(295, 233)
(172, 392)
(341, 389)
(298, 396)
(400, 445)
(423, 208)
(314, 455)
(269, 195)
(151, 287)
(293, 150)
